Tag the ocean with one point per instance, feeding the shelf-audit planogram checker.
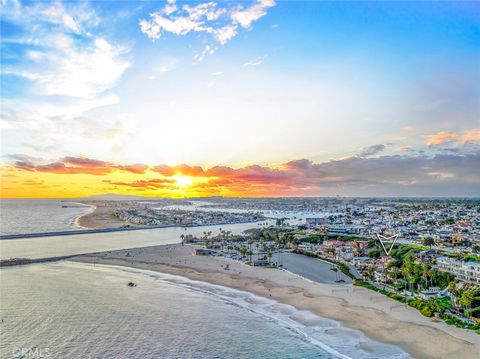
(77, 310)
(19, 216)
(74, 310)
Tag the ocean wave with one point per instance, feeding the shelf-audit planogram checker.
(329, 335)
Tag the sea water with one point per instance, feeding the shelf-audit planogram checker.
(74, 310)
(19, 216)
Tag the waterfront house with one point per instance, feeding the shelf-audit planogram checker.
(463, 270)
(431, 292)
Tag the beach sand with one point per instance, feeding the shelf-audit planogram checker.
(379, 317)
(101, 217)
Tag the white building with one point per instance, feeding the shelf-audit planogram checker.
(465, 271)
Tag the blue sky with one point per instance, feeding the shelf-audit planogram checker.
(239, 83)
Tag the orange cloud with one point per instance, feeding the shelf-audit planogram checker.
(440, 138)
(403, 149)
(78, 176)
(151, 183)
(463, 138)
(78, 165)
(183, 169)
(471, 136)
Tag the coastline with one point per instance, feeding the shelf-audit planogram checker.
(379, 317)
(76, 223)
(99, 217)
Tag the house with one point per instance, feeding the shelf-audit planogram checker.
(306, 246)
(464, 271)
(431, 292)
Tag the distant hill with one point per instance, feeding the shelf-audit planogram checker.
(114, 197)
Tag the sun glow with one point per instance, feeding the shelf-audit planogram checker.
(182, 181)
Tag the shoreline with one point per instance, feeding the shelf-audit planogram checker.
(355, 307)
(100, 217)
(299, 326)
(76, 222)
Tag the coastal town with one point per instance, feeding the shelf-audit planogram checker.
(434, 266)
(148, 216)
(163, 212)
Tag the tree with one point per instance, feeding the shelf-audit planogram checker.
(395, 273)
(408, 271)
(370, 272)
(428, 241)
(426, 273)
(452, 286)
(373, 253)
(465, 300)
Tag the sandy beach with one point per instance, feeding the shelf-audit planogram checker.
(379, 317)
(100, 217)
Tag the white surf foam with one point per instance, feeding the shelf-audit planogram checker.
(327, 334)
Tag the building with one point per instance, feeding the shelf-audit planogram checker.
(306, 246)
(344, 230)
(317, 221)
(431, 292)
(464, 271)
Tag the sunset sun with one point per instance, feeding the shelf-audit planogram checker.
(182, 181)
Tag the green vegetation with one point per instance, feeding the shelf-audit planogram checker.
(279, 235)
(437, 305)
(451, 320)
(428, 241)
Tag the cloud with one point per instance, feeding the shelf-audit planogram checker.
(452, 137)
(207, 50)
(372, 150)
(146, 184)
(67, 69)
(408, 128)
(59, 54)
(77, 18)
(245, 17)
(165, 66)
(220, 22)
(83, 73)
(75, 165)
(256, 62)
(183, 169)
(440, 138)
(403, 149)
(471, 136)
(420, 174)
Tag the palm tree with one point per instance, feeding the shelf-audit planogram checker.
(465, 301)
(395, 274)
(370, 272)
(426, 273)
(407, 272)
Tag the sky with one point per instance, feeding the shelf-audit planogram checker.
(240, 98)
